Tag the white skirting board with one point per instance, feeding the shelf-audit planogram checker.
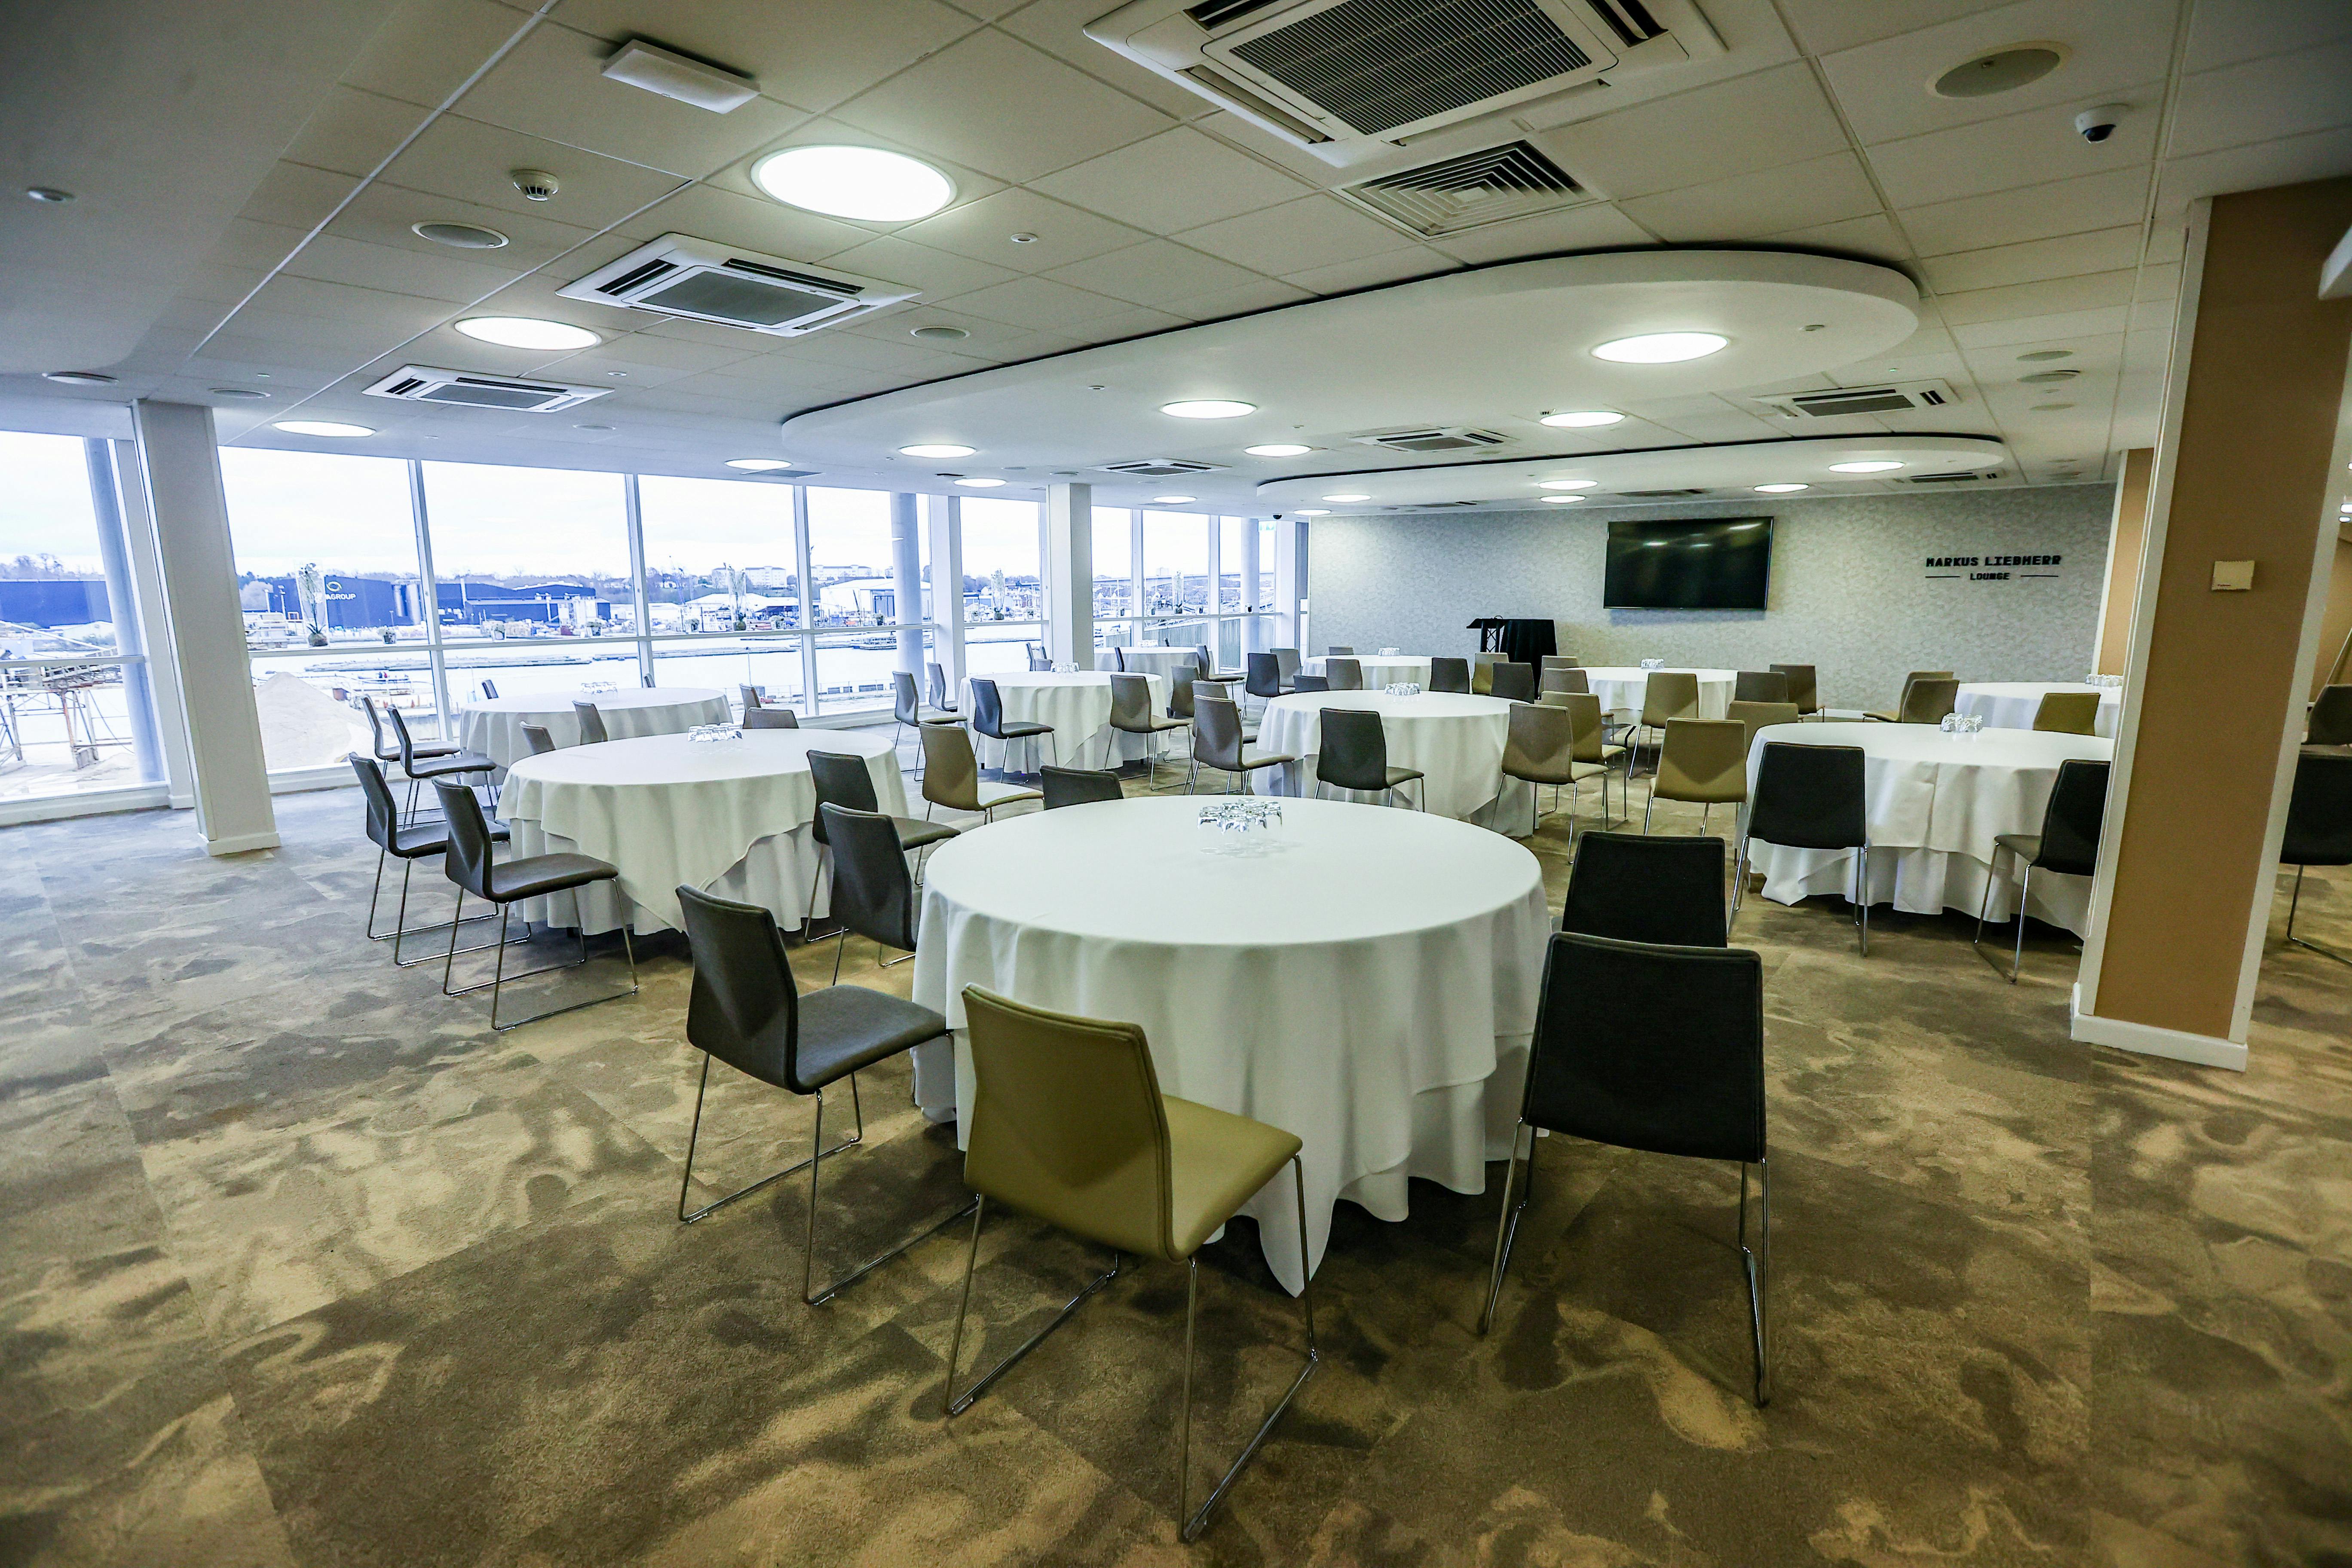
(2147, 1040)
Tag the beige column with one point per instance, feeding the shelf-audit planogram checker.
(2254, 437)
(2126, 540)
(2334, 664)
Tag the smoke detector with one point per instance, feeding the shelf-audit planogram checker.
(536, 184)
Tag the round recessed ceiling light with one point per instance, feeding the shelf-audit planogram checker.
(2051, 407)
(463, 236)
(1207, 408)
(1781, 490)
(2003, 70)
(48, 194)
(1661, 348)
(1278, 449)
(980, 484)
(754, 465)
(935, 450)
(79, 377)
(939, 334)
(528, 332)
(1172, 501)
(2047, 377)
(2038, 356)
(854, 182)
(1348, 496)
(575, 428)
(322, 427)
(245, 393)
(1567, 484)
(1582, 419)
(1561, 500)
(1871, 466)
(1311, 512)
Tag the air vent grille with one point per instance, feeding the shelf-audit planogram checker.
(423, 383)
(1216, 14)
(1159, 468)
(637, 276)
(1495, 185)
(1379, 64)
(1433, 440)
(1658, 495)
(1219, 85)
(1960, 479)
(1833, 401)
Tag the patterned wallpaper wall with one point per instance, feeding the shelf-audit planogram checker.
(1849, 592)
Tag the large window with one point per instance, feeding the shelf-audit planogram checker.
(1003, 583)
(722, 585)
(853, 566)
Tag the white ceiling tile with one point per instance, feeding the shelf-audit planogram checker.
(385, 214)
(1042, 304)
(455, 276)
(2091, 291)
(812, 53)
(426, 48)
(1770, 202)
(994, 103)
(2154, 314)
(2041, 329)
(1057, 26)
(551, 86)
(754, 223)
(2168, 240)
(1948, 367)
(1388, 266)
(777, 371)
(1592, 227)
(1825, 27)
(939, 274)
(351, 131)
(1134, 323)
(1239, 300)
(983, 230)
(2029, 212)
(2032, 261)
(297, 195)
(1727, 424)
(1750, 122)
(2261, 101)
(464, 158)
(2319, 155)
(1315, 231)
(1874, 236)
(2225, 32)
(2159, 282)
(2032, 148)
(1153, 272)
(277, 353)
(244, 244)
(1179, 179)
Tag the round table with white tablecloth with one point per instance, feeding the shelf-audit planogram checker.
(494, 725)
(1619, 687)
(1936, 802)
(1381, 669)
(1077, 703)
(1163, 662)
(1363, 978)
(730, 818)
(1455, 741)
(2012, 704)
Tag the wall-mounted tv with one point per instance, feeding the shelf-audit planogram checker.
(1720, 564)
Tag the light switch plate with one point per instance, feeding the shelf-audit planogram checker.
(2233, 576)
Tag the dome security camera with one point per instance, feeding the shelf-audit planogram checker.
(2095, 125)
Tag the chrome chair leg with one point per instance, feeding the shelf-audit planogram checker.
(817, 1167)
(953, 1404)
(1758, 1267)
(1507, 1224)
(686, 1179)
(1862, 895)
(2017, 958)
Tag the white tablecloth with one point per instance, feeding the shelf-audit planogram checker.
(1936, 803)
(2012, 704)
(1078, 705)
(728, 816)
(1620, 688)
(1454, 739)
(494, 726)
(1382, 669)
(1160, 661)
(1363, 978)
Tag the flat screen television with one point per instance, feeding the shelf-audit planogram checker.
(1720, 563)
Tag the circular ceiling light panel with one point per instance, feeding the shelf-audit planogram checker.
(2047, 377)
(980, 484)
(865, 183)
(322, 427)
(1780, 490)
(1348, 496)
(1567, 484)
(939, 334)
(528, 332)
(79, 377)
(753, 465)
(243, 394)
(1278, 449)
(2039, 355)
(1172, 501)
(2002, 71)
(935, 450)
(1661, 348)
(49, 194)
(463, 236)
(1582, 419)
(1561, 500)
(1867, 466)
(1207, 408)
(1311, 512)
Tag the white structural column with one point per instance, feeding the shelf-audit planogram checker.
(1070, 574)
(1290, 583)
(906, 584)
(180, 459)
(1252, 630)
(943, 523)
(154, 625)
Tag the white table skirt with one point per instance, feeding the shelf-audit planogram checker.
(1078, 705)
(493, 727)
(1154, 661)
(1455, 739)
(2012, 704)
(729, 816)
(1381, 669)
(1364, 978)
(1935, 804)
(1620, 688)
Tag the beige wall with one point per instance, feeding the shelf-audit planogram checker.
(2126, 540)
(2337, 625)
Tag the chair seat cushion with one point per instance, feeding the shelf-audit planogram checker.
(1402, 775)
(1578, 771)
(2027, 846)
(535, 876)
(455, 763)
(938, 716)
(1020, 728)
(1153, 724)
(1250, 763)
(421, 750)
(1216, 1163)
(914, 832)
(431, 838)
(846, 1027)
(1006, 795)
(1883, 718)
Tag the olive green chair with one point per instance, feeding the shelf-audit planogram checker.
(1703, 761)
(2068, 713)
(951, 776)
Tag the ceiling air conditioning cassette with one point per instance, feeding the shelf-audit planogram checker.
(678, 275)
(1159, 468)
(1346, 78)
(1966, 476)
(1449, 438)
(1896, 398)
(422, 384)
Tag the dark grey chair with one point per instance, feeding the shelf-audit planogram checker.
(935, 678)
(2330, 721)
(536, 737)
(843, 780)
(1310, 683)
(646, 682)
(752, 696)
(873, 891)
(490, 688)
(1761, 686)
(1079, 786)
(406, 845)
(1344, 674)
(1629, 887)
(388, 750)
(1285, 660)
(988, 719)
(422, 769)
(1353, 753)
(1449, 675)
(772, 719)
(747, 1010)
(505, 884)
(1659, 1049)
(1218, 743)
(591, 724)
(1264, 677)
(2067, 844)
(1512, 682)
(2319, 826)
(1340, 649)
(1038, 658)
(1810, 798)
(908, 709)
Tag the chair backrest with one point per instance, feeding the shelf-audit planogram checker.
(2070, 823)
(1929, 699)
(1512, 682)
(1038, 657)
(646, 682)
(1130, 702)
(744, 1006)
(467, 858)
(1180, 678)
(1117, 656)
(386, 752)
(1703, 759)
(873, 891)
(1661, 887)
(402, 742)
(1202, 662)
(1653, 1047)
(1810, 797)
(2330, 723)
(490, 688)
(906, 702)
(536, 737)
(840, 779)
(1344, 674)
(1339, 651)
(1801, 688)
(1558, 661)
(1565, 677)
(1217, 732)
(1761, 686)
(1310, 683)
(1541, 743)
(935, 677)
(1669, 694)
(1287, 660)
(382, 811)
(2319, 811)
(987, 708)
(1354, 750)
(1757, 715)
(1913, 678)
(772, 719)
(950, 769)
(1067, 1123)
(1482, 671)
(2068, 713)
(591, 724)
(752, 698)
(1587, 734)
(1264, 677)
(1449, 675)
(1079, 786)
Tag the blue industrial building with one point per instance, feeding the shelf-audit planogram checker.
(54, 601)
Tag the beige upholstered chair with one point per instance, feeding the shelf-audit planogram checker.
(1068, 1124)
(1667, 694)
(1703, 761)
(1894, 714)
(1482, 671)
(1566, 677)
(1803, 690)
(1540, 747)
(951, 776)
(1929, 701)
(1757, 715)
(1759, 686)
(2068, 713)
(1588, 745)
(1131, 714)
